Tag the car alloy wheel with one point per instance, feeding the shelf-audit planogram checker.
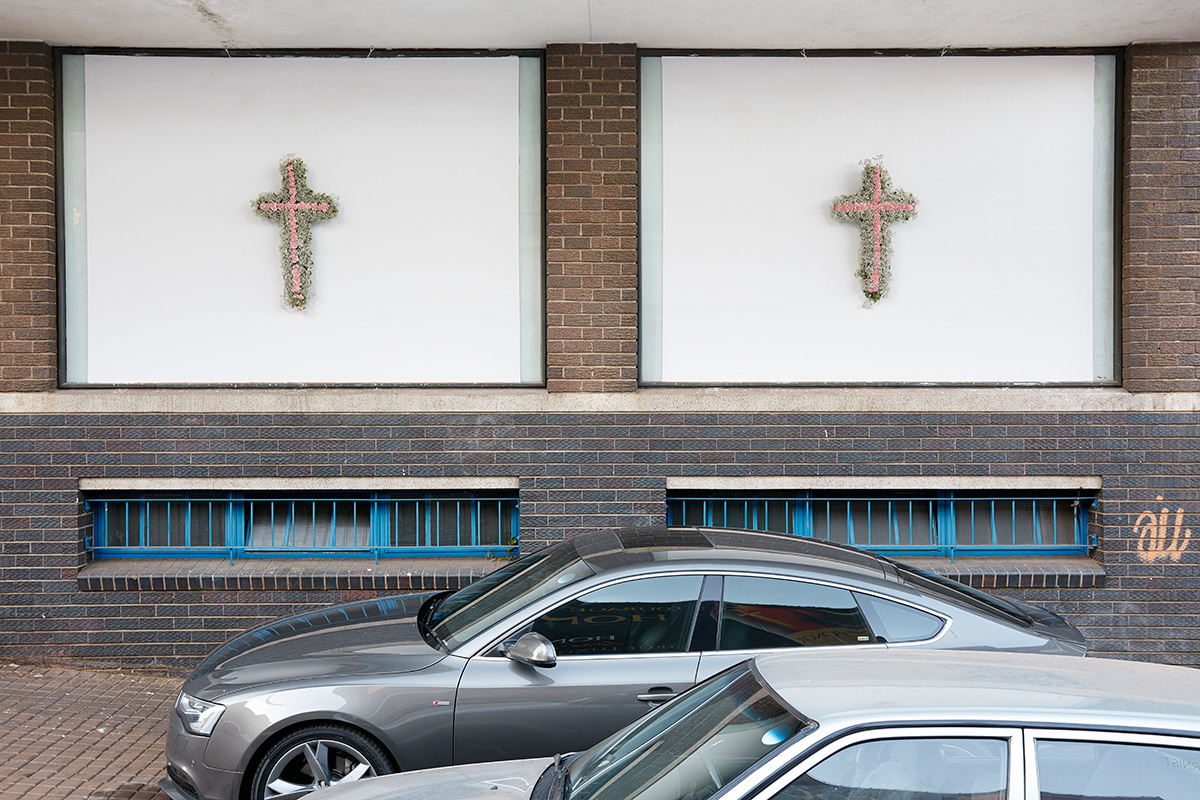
(315, 757)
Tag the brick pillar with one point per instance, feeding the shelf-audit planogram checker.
(1161, 224)
(28, 333)
(591, 217)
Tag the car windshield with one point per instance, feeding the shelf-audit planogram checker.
(689, 748)
(477, 607)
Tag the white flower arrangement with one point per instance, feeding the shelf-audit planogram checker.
(297, 207)
(876, 206)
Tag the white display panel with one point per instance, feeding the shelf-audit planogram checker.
(992, 282)
(418, 280)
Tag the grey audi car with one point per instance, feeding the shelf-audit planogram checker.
(550, 654)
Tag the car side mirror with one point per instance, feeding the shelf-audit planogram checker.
(532, 649)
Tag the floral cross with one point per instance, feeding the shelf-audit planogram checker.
(875, 207)
(297, 207)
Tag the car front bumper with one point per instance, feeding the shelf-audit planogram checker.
(188, 777)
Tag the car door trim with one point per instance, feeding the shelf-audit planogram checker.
(767, 779)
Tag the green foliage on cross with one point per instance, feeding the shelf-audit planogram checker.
(876, 206)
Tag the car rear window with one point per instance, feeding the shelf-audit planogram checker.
(896, 622)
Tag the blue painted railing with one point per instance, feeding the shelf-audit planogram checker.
(236, 525)
(942, 523)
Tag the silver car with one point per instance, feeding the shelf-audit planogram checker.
(915, 725)
(551, 653)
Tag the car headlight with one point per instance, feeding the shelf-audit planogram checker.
(199, 716)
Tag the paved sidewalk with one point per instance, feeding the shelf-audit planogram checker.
(82, 735)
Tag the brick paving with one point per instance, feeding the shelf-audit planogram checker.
(82, 735)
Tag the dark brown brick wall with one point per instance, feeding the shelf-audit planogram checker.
(591, 217)
(576, 471)
(28, 334)
(1161, 225)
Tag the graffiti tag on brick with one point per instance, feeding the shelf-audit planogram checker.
(1157, 539)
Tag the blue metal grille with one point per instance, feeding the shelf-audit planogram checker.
(239, 525)
(942, 523)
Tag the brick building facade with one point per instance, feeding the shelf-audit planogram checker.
(593, 449)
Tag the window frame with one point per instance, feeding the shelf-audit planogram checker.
(796, 761)
(651, 299)
(943, 506)
(239, 518)
(530, 208)
(1085, 735)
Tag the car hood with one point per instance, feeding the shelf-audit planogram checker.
(369, 637)
(498, 780)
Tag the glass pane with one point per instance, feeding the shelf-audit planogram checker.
(909, 769)
(1016, 522)
(514, 586)
(763, 613)
(652, 615)
(896, 622)
(1107, 771)
(121, 521)
(309, 524)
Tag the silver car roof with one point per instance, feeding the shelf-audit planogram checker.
(944, 686)
(613, 549)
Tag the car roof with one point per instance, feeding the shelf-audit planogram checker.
(931, 686)
(613, 549)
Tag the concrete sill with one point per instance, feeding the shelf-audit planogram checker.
(1030, 572)
(433, 574)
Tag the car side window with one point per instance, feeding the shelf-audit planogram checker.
(648, 615)
(908, 769)
(1106, 770)
(767, 613)
(896, 622)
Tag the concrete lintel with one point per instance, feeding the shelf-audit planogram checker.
(886, 484)
(294, 484)
(485, 402)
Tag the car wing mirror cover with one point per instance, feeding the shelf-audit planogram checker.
(532, 649)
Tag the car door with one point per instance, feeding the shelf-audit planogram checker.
(621, 649)
(761, 614)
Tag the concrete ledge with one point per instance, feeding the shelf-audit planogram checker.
(274, 574)
(432, 574)
(888, 483)
(665, 400)
(296, 484)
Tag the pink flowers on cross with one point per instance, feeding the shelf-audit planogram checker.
(874, 208)
(298, 207)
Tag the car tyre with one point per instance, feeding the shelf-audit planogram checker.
(316, 756)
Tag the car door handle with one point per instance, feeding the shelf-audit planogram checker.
(657, 696)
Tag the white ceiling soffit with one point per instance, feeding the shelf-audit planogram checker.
(514, 24)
